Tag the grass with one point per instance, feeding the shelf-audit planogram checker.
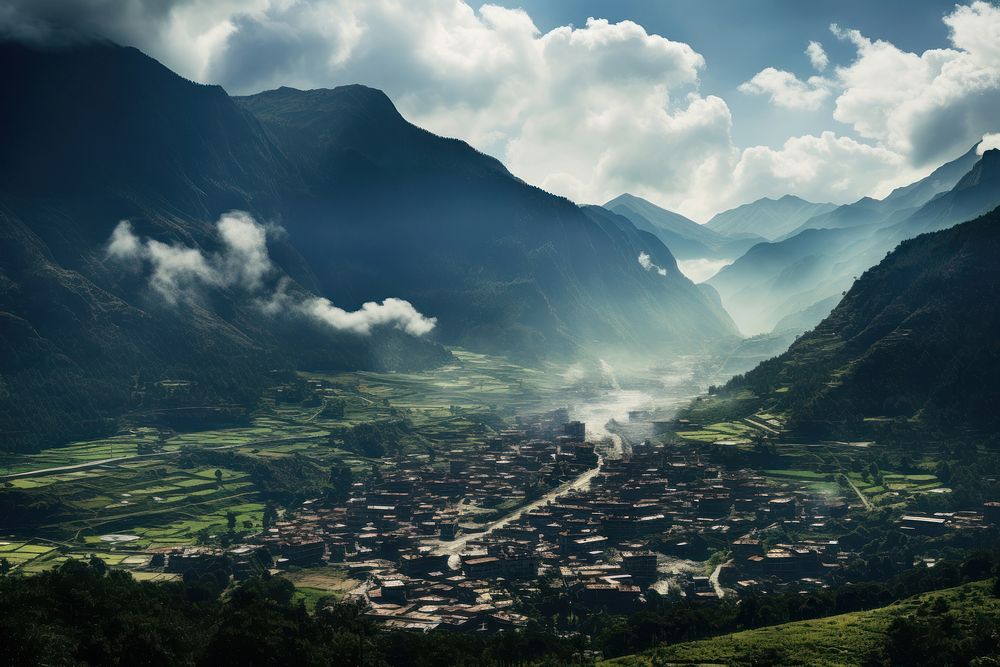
(843, 640)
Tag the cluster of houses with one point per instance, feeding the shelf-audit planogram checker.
(456, 545)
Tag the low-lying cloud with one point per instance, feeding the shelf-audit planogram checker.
(701, 269)
(646, 262)
(180, 273)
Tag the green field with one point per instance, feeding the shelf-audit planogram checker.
(835, 641)
(115, 490)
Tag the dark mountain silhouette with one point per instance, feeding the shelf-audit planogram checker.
(371, 207)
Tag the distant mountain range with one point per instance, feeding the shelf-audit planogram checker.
(782, 283)
(685, 238)
(914, 338)
(767, 218)
(358, 205)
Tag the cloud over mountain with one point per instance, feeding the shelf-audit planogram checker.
(585, 111)
(646, 262)
(180, 273)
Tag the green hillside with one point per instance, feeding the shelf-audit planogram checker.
(943, 627)
(913, 341)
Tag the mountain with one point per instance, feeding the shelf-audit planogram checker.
(775, 281)
(975, 192)
(359, 205)
(914, 338)
(768, 218)
(898, 204)
(685, 238)
(505, 267)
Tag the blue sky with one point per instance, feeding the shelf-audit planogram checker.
(698, 106)
(739, 38)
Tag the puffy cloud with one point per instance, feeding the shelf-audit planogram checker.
(245, 257)
(124, 244)
(929, 106)
(392, 312)
(180, 273)
(646, 262)
(989, 142)
(817, 56)
(915, 111)
(587, 112)
(787, 90)
(824, 168)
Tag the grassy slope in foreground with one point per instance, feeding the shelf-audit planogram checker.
(846, 639)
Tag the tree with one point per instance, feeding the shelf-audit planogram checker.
(270, 514)
(98, 566)
(340, 482)
(5, 566)
(218, 477)
(231, 521)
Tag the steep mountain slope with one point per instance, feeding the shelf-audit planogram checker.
(685, 238)
(360, 206)
(504, 266)
(775, 281)
(767, 218)
(915, 337)
(975, 192)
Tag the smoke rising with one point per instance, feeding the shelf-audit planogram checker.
(181, 273)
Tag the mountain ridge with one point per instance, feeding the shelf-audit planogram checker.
(913, 339)
(685, 238)
(358, 205)
(766, 217)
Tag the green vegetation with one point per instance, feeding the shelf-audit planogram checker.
(880, 636)
(164, 488)
(907, 353)
(82, 613)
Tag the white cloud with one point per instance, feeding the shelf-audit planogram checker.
(124, 244)
(245, 256)
(646, 262)
(586, 112)
(787, 90)
(989, 142)
(929, 106)
(817, 56)
(393, 312)
(180, 273)
(823, 168)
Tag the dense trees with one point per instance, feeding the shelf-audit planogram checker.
(913, 342)
(83, 612)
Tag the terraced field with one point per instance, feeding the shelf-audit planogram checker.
(120, 497)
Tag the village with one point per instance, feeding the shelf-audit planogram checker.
(604, 521)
